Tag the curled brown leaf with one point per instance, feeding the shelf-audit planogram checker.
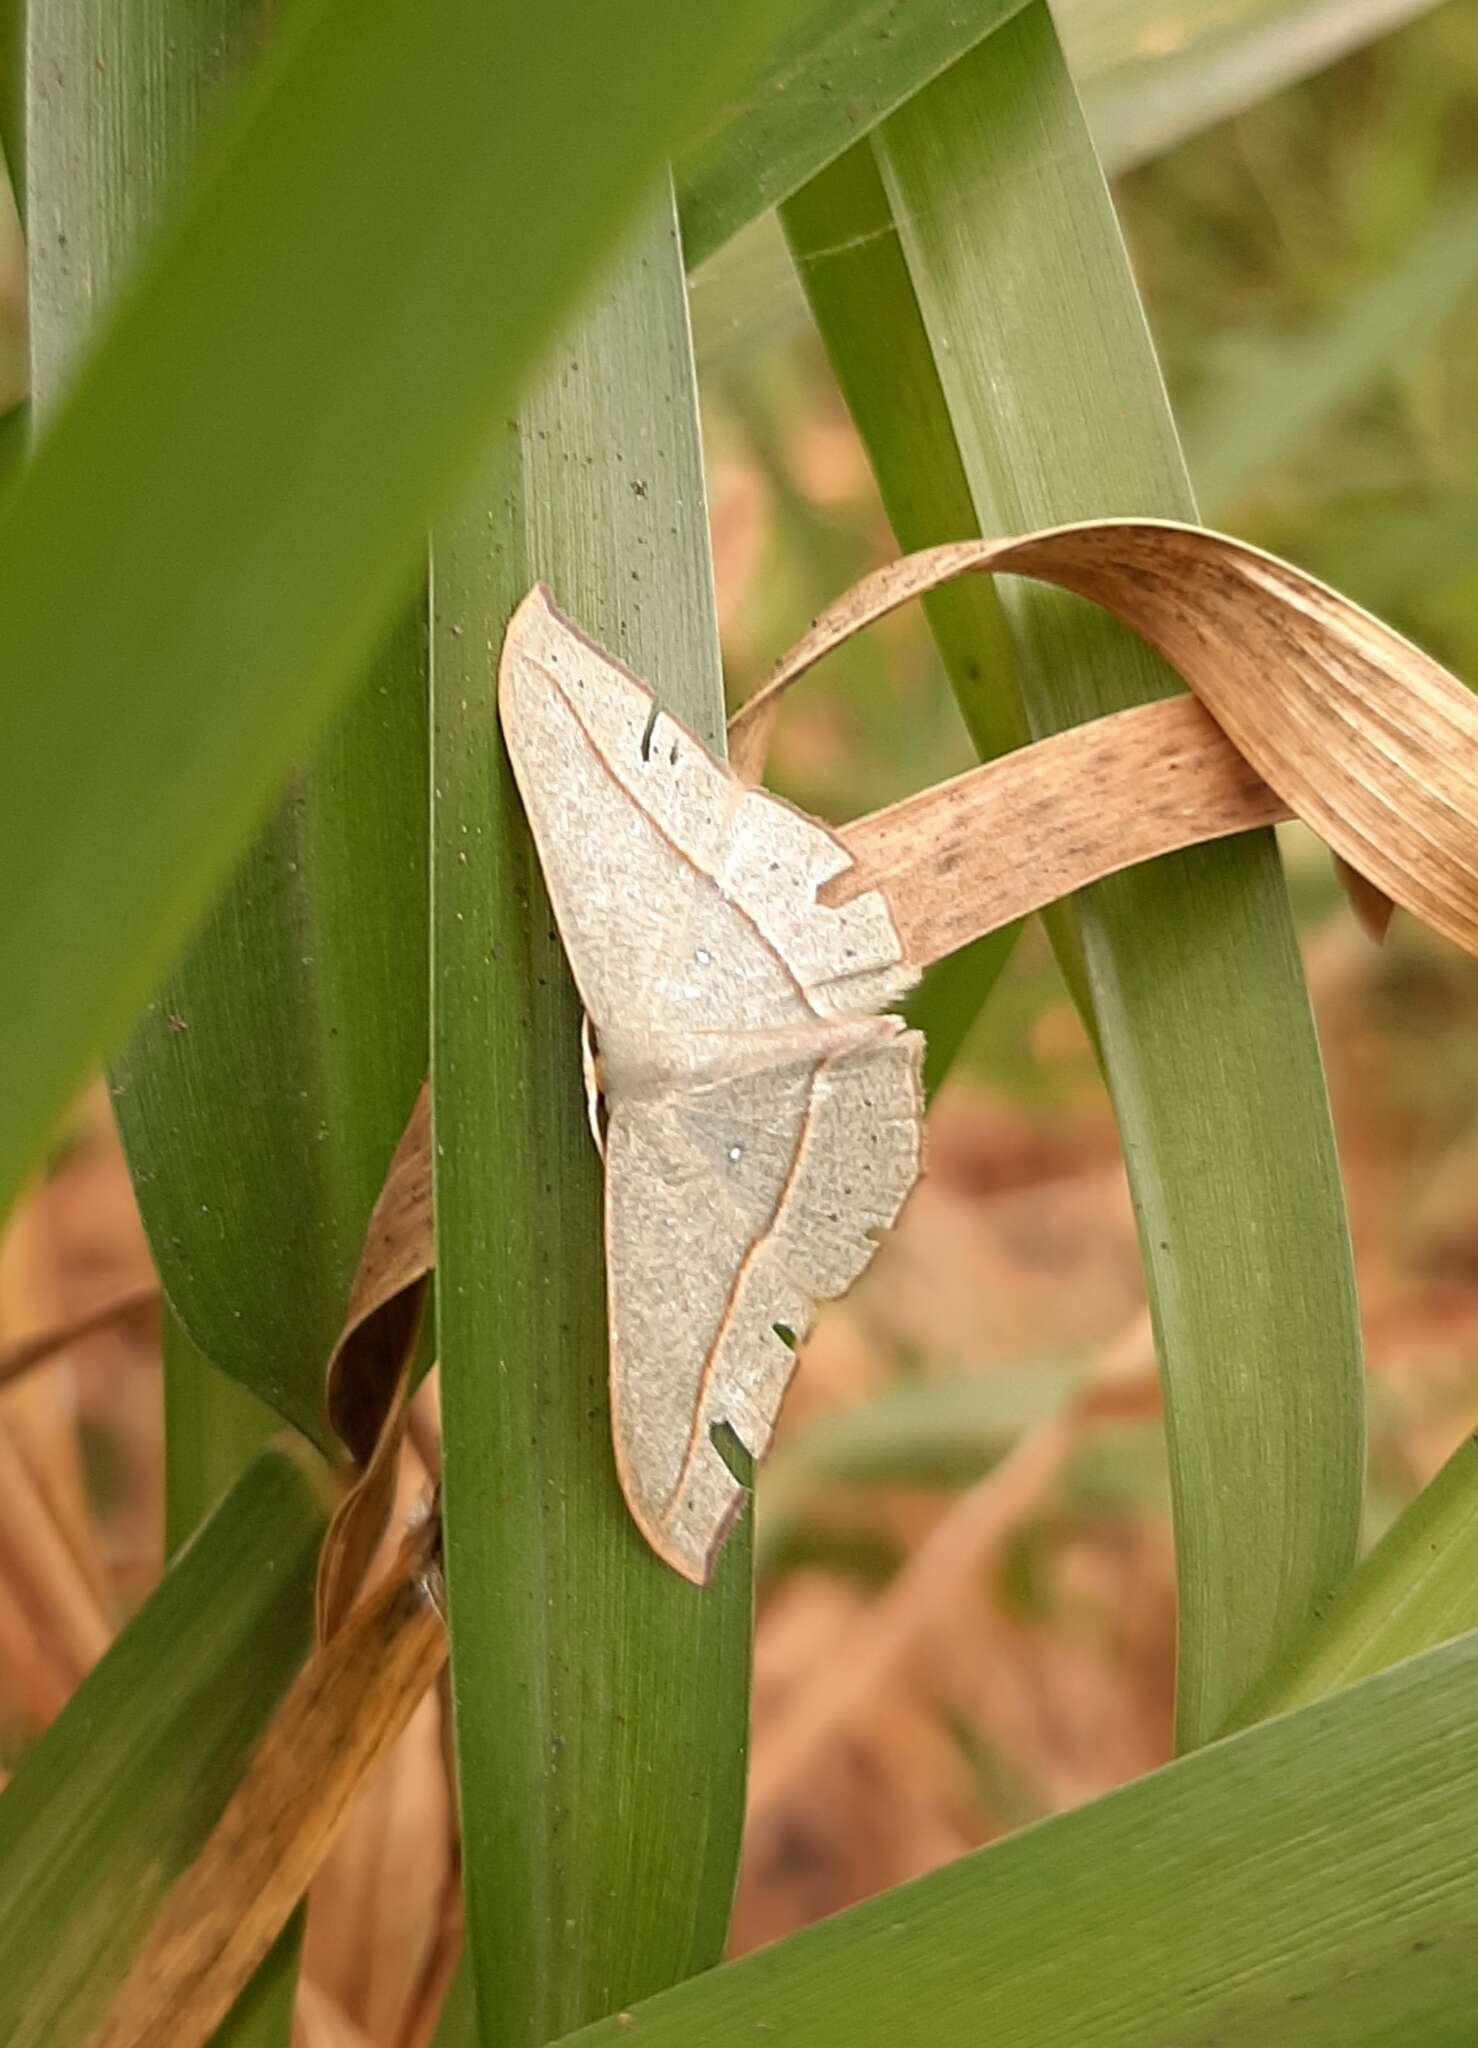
(1358, 732)
(371, 1367)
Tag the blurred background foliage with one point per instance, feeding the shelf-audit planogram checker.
(1310, 267)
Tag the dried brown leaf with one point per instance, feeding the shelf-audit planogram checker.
(350, 1703)
(1012, 836)
(370, 1370)
(1359, 732)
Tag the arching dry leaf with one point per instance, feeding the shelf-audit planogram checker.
(351, 1701)
(762, 1121)
(971, 855)
(369, 1373)
(1366, 738)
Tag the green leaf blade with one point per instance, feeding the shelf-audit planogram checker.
(600, 1699)
(841, 234)
(1417, 1588)
(1204, 1021)
(842, 69)
(1310, 1881)
(263, 1093)
(214, 485)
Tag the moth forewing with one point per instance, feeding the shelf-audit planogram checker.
(763, 1123)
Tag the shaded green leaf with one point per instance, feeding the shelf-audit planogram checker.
(212, 1428)
(268, 1084)
(263, 1094)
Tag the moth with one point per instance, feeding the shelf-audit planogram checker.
(762, 1116)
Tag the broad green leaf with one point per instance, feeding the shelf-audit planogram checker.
(1262, 409)
(600, 1699)
(264, 1092)
(121, 93)
(1416, 1589)
(842, 67)
(228, 504)
(1207, 1041)
(1154, 72)
(1313, 1881)
(123, 1788)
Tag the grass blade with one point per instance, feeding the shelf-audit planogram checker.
(1416, 1589)
(1151, 78)
(600, 1699)
(1312, 1880)
(842, 69)
(1209, 1048)
(122, 92)
(840, 231)
(250, 1191)
(236, 566)
(126, 1784)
